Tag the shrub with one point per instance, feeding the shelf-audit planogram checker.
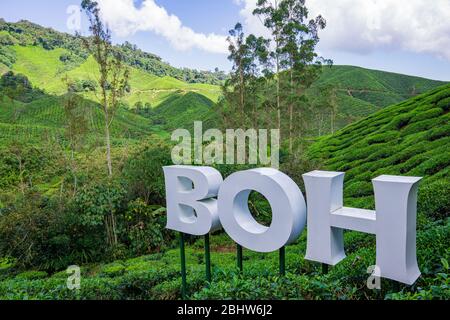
(38, 221)
(144, 175)
(146, 229)
(434, 200)
(444, 104)
(113, 270)
(430, 114)
(383, 137)
(32, 275)
(359, 189)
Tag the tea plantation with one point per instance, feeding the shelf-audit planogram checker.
(411, 138)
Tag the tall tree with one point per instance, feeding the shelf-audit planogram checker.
(113, 83)
(114, 74)
(296, 64)
(298, 40)
(268, 11)
(238, 53)
(76, 126)
(247, 55)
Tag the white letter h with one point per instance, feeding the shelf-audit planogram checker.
(393, 222)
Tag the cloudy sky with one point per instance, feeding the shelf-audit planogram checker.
(405, 36)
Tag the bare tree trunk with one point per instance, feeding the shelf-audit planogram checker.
(291, 115)
(242, 93)
(108, 150)
(277, 42)
(278, 93)
(108, 140)
(21, 171)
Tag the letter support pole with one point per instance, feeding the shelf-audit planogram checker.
(183, 267)
(283, 261)
(239, 258)
(207, 259)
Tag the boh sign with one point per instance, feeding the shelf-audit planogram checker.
(199, 201)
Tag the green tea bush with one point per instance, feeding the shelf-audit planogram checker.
(433, 200)
(429, 114)
(388, 136)
(32, 275)
(444, 104)
(112, 270)
(359, 189)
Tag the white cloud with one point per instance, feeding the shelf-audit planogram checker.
(125, 19)
(362, 26)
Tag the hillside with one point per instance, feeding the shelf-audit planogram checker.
(361, 92)
(46, 116)
(411, 138)
(45, 70)
(46, 57)
(25, 33)
(182, 110)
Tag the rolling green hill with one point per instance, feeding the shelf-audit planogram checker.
(46, 57)
(411, 138)
(46, 71)
(360, 91)
(25, 33)
(46, 116)
(182, 110)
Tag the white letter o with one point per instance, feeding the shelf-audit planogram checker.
(286, 200)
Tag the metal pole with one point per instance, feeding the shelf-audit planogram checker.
(283, 261)
(183, 267)
(324, 268)
(239, 258)
(207, 258)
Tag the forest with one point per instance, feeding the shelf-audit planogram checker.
(85, 130)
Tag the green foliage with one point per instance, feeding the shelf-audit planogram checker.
(433, 200)
(410, 138)
(181, 110)
(32, 275)
(112, 270)
(53, 216)
(96, 201)
(7, 55)
(146, 227)
(29, 232)
(143, 172)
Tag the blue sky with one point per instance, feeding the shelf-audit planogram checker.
(404, 36)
